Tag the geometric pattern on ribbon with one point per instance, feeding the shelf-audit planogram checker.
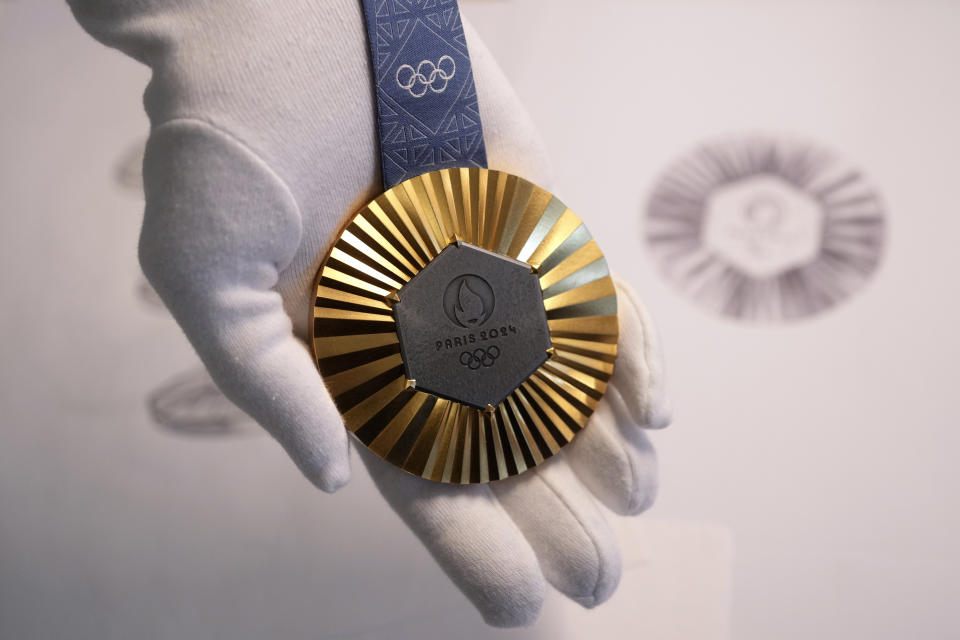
(426, 98)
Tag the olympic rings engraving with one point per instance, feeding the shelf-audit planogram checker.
(480, 357)
(427, 76)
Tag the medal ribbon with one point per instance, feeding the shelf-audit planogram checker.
(426, 99)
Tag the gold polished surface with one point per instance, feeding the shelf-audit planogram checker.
(357, 350)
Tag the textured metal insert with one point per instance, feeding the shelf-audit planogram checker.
(472, 325)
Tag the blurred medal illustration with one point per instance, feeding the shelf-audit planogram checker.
(465, 321)
(765, 229)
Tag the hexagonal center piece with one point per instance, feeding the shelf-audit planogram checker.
(472, 325)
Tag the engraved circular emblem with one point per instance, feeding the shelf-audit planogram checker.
(468, 301)
(465, 324)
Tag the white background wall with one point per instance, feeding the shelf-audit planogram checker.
(826, 446)
(829, 446)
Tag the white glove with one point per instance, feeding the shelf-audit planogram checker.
(263, 141)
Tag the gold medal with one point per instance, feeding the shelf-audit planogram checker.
(465, 324)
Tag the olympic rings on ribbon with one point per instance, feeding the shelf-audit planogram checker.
(426, 76)
(480, 357)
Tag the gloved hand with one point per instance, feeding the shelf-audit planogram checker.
(263, 141)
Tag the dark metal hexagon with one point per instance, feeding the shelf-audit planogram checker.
(472, 326)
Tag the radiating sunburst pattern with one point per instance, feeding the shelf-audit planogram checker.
(764, 228)
(358, 351)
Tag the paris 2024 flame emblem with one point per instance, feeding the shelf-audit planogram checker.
(468, 301)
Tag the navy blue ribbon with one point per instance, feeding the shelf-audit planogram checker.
(426, 99)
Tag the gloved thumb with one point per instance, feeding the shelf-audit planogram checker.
(218, 228)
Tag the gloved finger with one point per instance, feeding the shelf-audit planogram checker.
(639, 374)
(472, 539)
(575, 545)
(614, 459)
(218, 228)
